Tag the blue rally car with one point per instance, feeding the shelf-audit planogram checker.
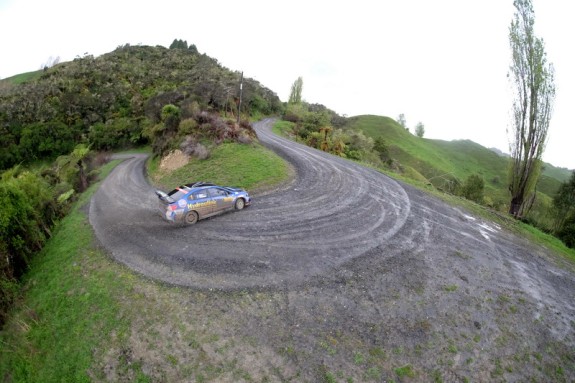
(195, 201)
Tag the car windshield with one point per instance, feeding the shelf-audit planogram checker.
(177, 194)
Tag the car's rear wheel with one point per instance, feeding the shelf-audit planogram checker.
(240, 204)
(191, 218)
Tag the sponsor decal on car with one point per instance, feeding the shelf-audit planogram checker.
(228, 199)
(182, 203)
(197, 205)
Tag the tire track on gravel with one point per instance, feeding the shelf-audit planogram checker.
(334, 211)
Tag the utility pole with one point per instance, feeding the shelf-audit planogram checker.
(241, 90)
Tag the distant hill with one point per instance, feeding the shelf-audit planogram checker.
(499, 151)
(441, 161)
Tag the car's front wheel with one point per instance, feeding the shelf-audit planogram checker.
(191, 218)
(240, 204)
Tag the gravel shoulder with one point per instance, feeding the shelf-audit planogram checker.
(345, 274)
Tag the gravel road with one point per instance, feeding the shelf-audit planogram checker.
(334, 211)
(377, 250)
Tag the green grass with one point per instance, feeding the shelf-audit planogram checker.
(450, 288)
(546, 240)
(405, 371)
(67, 309)
(23, 77)
(251, 167)
(283, 128)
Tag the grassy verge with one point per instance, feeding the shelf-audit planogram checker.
(66, 309)
(251, 167)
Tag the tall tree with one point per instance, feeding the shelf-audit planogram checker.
(534, 93)
(296, 90)
(419, 129)
(401, 120)
(179, 44)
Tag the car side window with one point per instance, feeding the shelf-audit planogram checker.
(199, 195)
(214, 192)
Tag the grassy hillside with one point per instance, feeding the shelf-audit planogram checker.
(252, 167)
(21, 78)
(439, 160)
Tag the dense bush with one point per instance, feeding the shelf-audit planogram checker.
(473, 187)
(32, 203)
(567, 232)
(316, 126)
(564, 211)
(26, 218)
(110, 100)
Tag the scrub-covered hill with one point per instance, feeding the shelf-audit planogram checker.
(110, 100)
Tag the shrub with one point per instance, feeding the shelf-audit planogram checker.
(27, 215)
(567, 233)
(191, 147)
(473, 188)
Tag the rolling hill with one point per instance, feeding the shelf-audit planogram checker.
(442, 161)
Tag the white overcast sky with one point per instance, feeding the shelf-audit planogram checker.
(441, 62)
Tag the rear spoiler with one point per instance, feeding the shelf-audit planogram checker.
(164, 197)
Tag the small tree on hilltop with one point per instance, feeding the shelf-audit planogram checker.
(401, 120)
(419, 129)
(179, 44)
(296, 91)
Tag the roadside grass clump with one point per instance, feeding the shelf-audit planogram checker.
(326, 376)
(250, 166)
(450, 288)
(376, 355)
(373, 373)
(358, 358)
(284, 128)
(405, 371)
(436, 375)
(461, 255)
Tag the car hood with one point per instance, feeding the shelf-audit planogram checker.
(236, 190)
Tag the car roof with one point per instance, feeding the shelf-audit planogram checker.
(192, 187)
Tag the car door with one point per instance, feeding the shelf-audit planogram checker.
(222, 199)
(201, 202)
